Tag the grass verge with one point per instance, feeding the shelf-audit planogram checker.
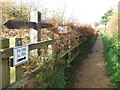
(112, 57)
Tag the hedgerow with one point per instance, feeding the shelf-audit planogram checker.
(112, 55)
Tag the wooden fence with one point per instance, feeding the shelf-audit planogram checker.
(8, 52)
(65, 52)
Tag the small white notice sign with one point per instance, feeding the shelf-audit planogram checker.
(20, 55)
(62, 29)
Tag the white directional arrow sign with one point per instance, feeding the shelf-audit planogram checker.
(20, 55)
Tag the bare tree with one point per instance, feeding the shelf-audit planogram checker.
(96, 24)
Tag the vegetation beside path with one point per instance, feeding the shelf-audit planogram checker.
(70, 72)
(112, 55)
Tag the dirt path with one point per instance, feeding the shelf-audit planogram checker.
(92, 71)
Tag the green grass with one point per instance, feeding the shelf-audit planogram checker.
(112, 54)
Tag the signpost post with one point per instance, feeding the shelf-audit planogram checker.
(38, 25)
(14, 75)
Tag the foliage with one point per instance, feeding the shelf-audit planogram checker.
(112, 28)
(85, 48)
(112, 55)
(53, 76)
(11, 10)
(106, 17)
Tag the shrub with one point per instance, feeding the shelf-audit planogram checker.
(112, 54)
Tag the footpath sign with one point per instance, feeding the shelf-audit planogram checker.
(62, 29)
(18, 42)
(20, 55)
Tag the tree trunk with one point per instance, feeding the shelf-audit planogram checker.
(105, 28)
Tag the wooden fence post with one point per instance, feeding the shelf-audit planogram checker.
(4, 65)
(16, 72)
(0, 48)
(39, 30)
(69, 54)
(78, 43)
(50, 47)
(12, 69)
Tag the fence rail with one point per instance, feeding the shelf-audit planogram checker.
(66, 52)
(8, 52)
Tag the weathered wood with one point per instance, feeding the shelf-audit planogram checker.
(19, 72)
(69, 50)
(42, 44)
(7, 52)
(14, 24)
(16, 72)
(0, 64)
(39, 31)
(41, 69)
(20, 83)
(50, 49)
(33, 32)
(69, 54)
(12, 69)
(4, 66)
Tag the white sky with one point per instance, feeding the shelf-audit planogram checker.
(86, 11)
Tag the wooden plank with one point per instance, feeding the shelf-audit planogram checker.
(39, 31)
(21, 82)
(36, 71)
(12, 69)
(19, 72)
(0, 63)
(15, 72)
(62, 55)
(7, 52)
(18, 84)
(14, 24)
(4, 65)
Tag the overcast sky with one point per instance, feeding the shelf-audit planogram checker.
(86, 11)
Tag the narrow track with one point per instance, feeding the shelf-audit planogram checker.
(92, 70)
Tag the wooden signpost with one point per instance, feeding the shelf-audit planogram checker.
(38, 25)
(4, 64)
(14, 24)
